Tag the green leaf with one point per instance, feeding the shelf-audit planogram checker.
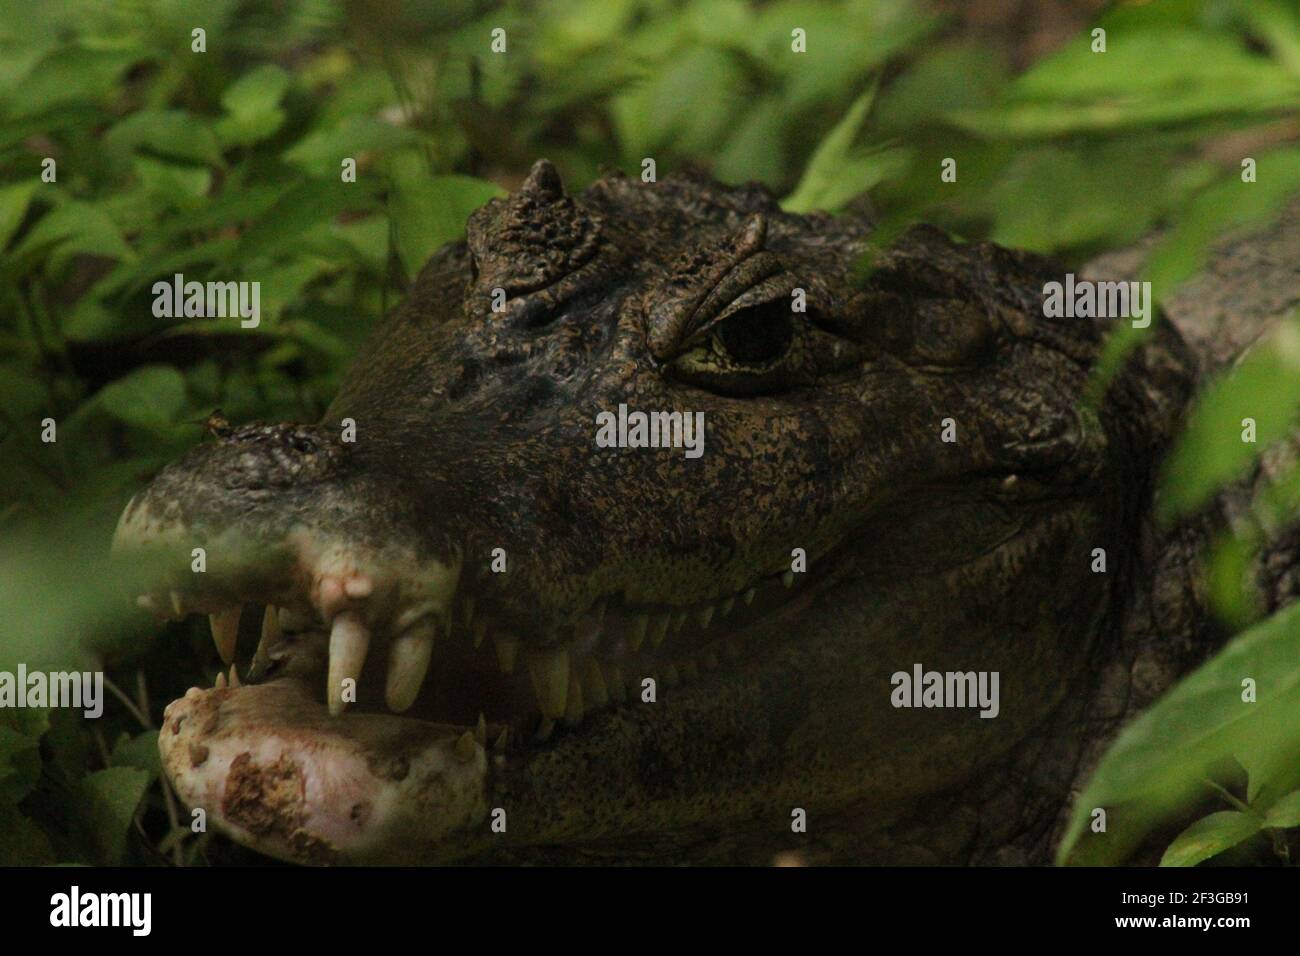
(309, 204)
(75, 227)
(835, 173)
(175, 134)
(322, 151)
(1265, 387)
(152, 396)
(429, 213)
(1285, 813)
(13, 207)
(1160, 761)
(140, 751)
(1209, 837)
(110, 798)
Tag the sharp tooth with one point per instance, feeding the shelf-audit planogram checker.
(465, 747)
(271, 630)
(144, 602)
(502, 740)
(614, 684)
(727, 605)
(349, 641)
(220, 682)
(788, 579)
(480, 730)
(234, 677)
(705, 616)
(678, 620)
(550, 672)
(749, 596)
(408, 663)
(467, 608)
(225, 631)
(480, 632)
(177, 607)
(659, 628)
(636, 636)
(573, 709)
(507, 651)
(594, 690)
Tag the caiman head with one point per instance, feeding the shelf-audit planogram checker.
(518, 599)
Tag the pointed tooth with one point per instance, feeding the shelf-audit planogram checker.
(220, 683)
(349, 641)
(705, 615)
(225, 631)
(480, 730)
(788, 579)
(234, 677)
(465, 747)
(544, 730)
(659, 628)
(594, 689)
(507, 650)
(727, 605)
(550, 672)
(573, 706)
(271, 630)
(502, 740)
(480, 632)
(178, 607)
(749, 596)
(408, 663)
(614, 684)
(636, 635)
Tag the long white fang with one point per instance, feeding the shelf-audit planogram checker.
(225, 631)
(178, 608)
(408, 662)
(234, 677)
(349, 641)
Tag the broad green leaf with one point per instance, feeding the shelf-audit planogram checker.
(1285, 813)
(1263, 387)
(140, 751)
(13, 207)
(1209, 837)
(429, 213)
(109, 798)
(75, 227)
(175, 134)
(322, 152)
(153, 396)
(837, 172)
(310, 204)
(1160, 761)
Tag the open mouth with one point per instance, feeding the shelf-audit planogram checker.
(466, 666)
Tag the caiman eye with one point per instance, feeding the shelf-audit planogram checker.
(758, 334)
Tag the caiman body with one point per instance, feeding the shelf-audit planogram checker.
(661, 678)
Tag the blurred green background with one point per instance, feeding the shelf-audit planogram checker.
(225, 164)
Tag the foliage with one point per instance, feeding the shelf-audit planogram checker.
(225, 165)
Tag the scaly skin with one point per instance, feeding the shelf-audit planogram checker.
(475, 431)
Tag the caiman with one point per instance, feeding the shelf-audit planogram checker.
(491, 635)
